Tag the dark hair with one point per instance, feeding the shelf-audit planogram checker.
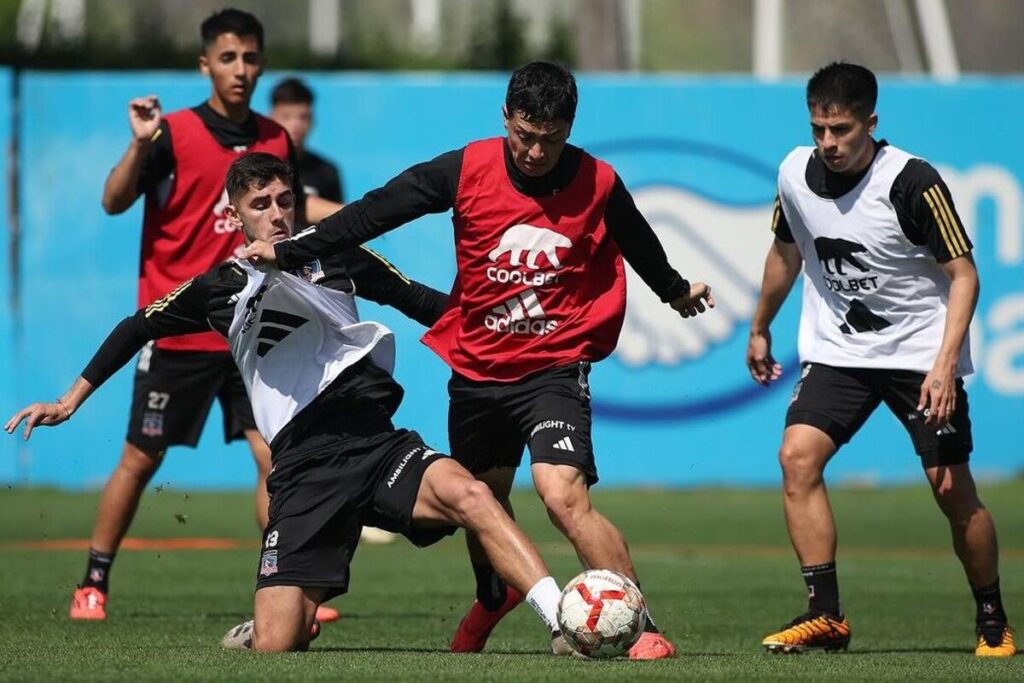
(847, 86)
(256, 169)
(231, 21)
(542, 92)
(291, 91)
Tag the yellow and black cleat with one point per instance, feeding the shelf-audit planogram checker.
(995, 640)
(810, 632)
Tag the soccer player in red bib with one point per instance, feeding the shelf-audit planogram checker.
(541, 229)
(179, 161)
(889, 292)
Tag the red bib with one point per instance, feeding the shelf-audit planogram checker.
(188, 234)
(540, 282)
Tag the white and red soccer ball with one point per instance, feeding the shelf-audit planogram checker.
(601, 613)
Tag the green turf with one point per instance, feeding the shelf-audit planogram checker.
(715, 564)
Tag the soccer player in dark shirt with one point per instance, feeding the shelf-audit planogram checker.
(178, 161)
(292, 107)
(889, 291)
(323, 396)
(541, 230)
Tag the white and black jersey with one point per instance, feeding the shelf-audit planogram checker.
(291, 334)
(875, 294)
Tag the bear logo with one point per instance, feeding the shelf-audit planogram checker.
(833, 252)
(534, 242)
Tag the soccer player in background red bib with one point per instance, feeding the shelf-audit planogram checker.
(179, 161)
(541, 229)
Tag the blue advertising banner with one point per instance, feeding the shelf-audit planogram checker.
(9, 328)
(674, 405)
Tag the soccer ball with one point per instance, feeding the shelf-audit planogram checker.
(601, 613)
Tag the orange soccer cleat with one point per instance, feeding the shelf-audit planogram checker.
(995, 640)
(88, 604)
(810, 631)
(325, 614)
(476, 626)
(652, 646)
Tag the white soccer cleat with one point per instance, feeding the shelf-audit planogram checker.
(238, 638)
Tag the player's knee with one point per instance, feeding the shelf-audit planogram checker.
(473, 501)
(959, 504)
(565, 507)
(140, 463)
(799, 466)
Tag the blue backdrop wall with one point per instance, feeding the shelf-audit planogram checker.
(673, 406)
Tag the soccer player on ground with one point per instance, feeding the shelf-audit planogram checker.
(540, 231)
(292, 108)
(178, 162)
(889, 292)
(323, 396)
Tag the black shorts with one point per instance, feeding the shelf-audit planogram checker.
(325, 489)
(173, 394)
(489, 423)
(839, 400)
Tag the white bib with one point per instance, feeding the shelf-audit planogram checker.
(871, 298)
(291, 339)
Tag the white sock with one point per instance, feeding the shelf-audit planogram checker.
(543, 598)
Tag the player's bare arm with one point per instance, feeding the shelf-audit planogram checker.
(121, 188)
(51, 414)
(781, 267)
(938, 391)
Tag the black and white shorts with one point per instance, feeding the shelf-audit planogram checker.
(838, 401)
(355, 470)
(173, 394)
(489, 423)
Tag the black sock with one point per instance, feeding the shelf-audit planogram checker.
(490, 589)
(990, 603)
(649, 625)
(822, 588)
(97, 572)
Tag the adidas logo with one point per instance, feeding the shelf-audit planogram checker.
(522, 314)
(564, 444)
(277, 325)
(948, 429)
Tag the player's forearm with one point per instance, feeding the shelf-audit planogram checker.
(74, 397)
(963, 299)
(121, 188)
(422, 189)
(780, 273)
(120, 346)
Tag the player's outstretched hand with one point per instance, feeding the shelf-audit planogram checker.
(938, 398)
(763, 367)
(38, 414)
(144, 117)
(259, 253)
(697, 301)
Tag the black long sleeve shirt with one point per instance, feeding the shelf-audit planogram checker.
(208, 302)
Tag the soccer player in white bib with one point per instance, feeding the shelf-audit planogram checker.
(889, 291)
(322, 394)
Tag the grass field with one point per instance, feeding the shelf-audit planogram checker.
(716, 567)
